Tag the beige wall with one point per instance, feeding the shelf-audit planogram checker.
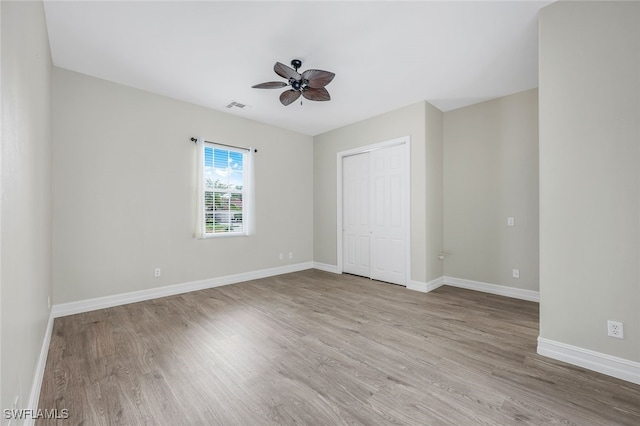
(589, 174)
(423, 124)
(124, 191)
(490, 174)
(25, 183)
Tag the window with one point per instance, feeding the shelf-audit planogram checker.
(225, 191)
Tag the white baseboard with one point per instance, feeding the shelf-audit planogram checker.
(326, 267)
(70, 308)
(516, 293)
(34, 396)
(602, 363)
(425, 287)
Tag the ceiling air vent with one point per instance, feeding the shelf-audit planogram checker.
(235, 104)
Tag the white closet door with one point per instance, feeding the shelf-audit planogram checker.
(373, 216)
(388, 257)
(356, 216)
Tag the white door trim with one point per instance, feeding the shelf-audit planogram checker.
(406, 200)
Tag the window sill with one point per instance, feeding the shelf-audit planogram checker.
(221, 235)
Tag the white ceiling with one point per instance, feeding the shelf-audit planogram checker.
(385, 54)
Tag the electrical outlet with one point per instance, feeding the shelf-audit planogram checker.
(615, 329)
(157, 272)
(516, 273)
(511, 221)
(290, 255)
(281, 256)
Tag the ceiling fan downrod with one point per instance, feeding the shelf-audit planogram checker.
(296, 84)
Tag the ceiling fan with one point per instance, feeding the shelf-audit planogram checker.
(310, 84)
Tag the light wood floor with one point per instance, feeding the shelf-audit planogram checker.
(321, 349)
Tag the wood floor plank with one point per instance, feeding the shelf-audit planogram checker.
(318, 348)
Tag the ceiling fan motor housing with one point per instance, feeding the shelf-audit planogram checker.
(296, 84)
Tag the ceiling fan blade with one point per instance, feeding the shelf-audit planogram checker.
(270, 85)
(286, 72)
(320, 94)
(289, 96)
(317, 78)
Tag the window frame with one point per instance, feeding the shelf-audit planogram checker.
(206, 191)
